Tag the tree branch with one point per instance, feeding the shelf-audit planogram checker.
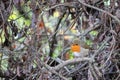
(87, 5)
(50, 69)
(54, 41)
(73, 61)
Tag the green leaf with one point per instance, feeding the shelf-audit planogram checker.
(71, 54)
(27, 22)
(2, 37)
(107, 2)
(12, 17)
(88, 42)
(94, 33)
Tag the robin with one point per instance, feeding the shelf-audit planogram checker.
(79, 48)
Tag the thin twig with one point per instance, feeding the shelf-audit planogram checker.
(114, 17)
(51, 69)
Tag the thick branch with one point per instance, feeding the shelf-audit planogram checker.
(73, 61)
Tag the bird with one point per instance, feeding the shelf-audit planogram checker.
(79, 48)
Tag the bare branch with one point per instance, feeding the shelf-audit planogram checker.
(51, 69)
(73, 61)
(114, 17)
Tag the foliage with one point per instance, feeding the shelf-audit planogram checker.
(36, 33)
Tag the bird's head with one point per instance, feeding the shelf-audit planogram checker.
(75, 46)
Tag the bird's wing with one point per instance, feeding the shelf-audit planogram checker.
(84, 52)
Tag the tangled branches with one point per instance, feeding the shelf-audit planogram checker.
(29, 52)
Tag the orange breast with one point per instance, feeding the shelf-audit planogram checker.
(75, 48)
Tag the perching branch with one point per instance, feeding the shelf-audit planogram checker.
(73, 61)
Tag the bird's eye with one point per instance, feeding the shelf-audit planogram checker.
(76, 44)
